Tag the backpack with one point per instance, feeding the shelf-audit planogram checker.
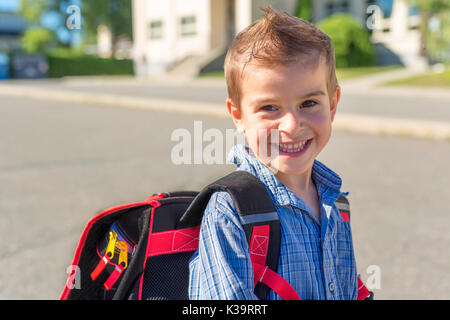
(141, 250)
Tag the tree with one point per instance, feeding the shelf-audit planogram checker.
(435, 43)
(32, 10)
(304, 10)
(350, 39)
(38, 38)
(114, 14)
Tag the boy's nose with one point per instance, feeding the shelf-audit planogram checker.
(291, 123)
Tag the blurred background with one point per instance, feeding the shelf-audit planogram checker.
(91, 91)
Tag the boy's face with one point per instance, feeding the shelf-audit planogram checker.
(293, 100)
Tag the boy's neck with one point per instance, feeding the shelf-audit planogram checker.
(297, 183)
(303, 187)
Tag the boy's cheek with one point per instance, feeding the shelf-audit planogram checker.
(263, 142)
(252, 139)
(321, 121)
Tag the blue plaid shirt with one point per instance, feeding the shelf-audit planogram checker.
(316, 258)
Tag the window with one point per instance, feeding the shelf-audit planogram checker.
(333, 7)
(345, 6)
(414, 11)
(188, 25)
(156, 29)
(330, 8)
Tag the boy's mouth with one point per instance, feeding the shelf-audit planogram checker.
(294, 147)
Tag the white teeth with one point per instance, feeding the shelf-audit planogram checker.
(296, 147)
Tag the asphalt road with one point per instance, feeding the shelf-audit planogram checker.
(429, 106)
(60, 163)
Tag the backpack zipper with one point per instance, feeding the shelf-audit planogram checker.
(120, 267)
(109, 254)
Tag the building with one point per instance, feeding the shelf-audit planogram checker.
(397, 33)
(185, 36)
(12, 27)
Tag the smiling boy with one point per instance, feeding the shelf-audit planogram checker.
(280, 73)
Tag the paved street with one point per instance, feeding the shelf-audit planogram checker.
(411, 104)
(61, 163)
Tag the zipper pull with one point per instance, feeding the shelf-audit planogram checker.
(123, 255)
(107, 257)
(120, 267)
(111, 244)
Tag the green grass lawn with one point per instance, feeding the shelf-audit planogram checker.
(349, 73)
(342, 74)
(431, 79)
(215, 74)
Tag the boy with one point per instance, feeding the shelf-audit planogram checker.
(280, 73)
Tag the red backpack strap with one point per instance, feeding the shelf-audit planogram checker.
(343, 206)
(363, 292)
(255, 209)
(263, 233)
(263, 236)
(259, 248)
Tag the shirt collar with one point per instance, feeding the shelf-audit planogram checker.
(328, 183)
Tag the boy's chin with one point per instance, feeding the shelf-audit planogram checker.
(285, 164)
(297, 166)
(281, 169)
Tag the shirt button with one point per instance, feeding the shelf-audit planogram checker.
(331, 286)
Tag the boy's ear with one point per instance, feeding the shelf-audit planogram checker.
(335, 101)
(235, 114)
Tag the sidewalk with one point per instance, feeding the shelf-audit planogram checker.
(365, 107)
(371, 85)
(373, 80)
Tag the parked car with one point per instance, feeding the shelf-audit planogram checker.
(4, 66)
(29, 66)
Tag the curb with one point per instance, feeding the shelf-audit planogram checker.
(435, 94)
(435, 130)
(344, 121)
(110, 100)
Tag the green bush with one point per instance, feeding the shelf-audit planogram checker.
(36, 40)
(304, 9)
(437, 38)
(61, 65)
(351, 41)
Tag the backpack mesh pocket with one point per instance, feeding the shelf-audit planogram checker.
(166, 277)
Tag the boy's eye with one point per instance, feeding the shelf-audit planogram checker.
(269, 108)
(308, 104)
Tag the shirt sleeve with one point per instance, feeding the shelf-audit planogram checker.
(221, 267)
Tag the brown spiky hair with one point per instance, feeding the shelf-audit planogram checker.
(277, 39)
